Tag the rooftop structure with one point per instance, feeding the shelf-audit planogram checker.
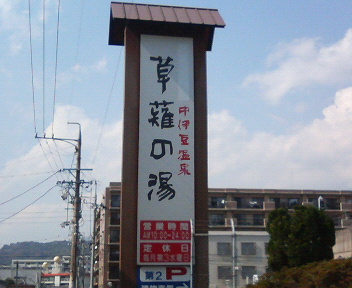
(171, 17)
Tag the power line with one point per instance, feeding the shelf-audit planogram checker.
(16, 163)
(77, 46)
(33, 213)
(56, 58)
(21, 220)
(52, 154)
(52, 169)
(58, 153)
(29, 189)
(23, 175)
(32, 70)
(28, 204)
(43, 66)
(107, 107)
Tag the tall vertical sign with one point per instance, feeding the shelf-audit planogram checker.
(166, 150)
(164, 172)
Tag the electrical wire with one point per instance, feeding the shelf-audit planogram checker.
(15, 197)
(43, 66)
(46, 157)
(52, 154)
(30, 204)
(56, 61)
(35, 212)
(107, 107)
(110, 95)
(78, 45)
(24, 175)
(32, 70)
(17, 162)
(58, 153)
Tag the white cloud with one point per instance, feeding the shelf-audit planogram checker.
(78, 72)
(33, 167)
(14, 24)
(305, 62)
(100, 65)
(317, 156)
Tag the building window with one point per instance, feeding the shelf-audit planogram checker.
(240, 219)
(224, 249)
(114, 254)
(239, 202)
(276, 200)
(286, 202)
(248, 249)
(314, 201)
(115, 200)
(249, 202)
(248, 271)
(115, 218)
(258, 219)
(114, 272)
(114, 236)
(217, 202)
(224, 272)
(256, 202)
(292, 202)
(216, 219)
(332, 203)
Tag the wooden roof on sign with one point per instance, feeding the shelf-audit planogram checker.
(161, 16)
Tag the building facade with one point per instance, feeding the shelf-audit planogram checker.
(106, 257)
(237, 218)
(250, 208)
(46, 273)
(343, 246)
(236, 258)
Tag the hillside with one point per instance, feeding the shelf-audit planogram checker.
(33, 250)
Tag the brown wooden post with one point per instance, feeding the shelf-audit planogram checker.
(201, 274)
(128, 22)
(128, 238)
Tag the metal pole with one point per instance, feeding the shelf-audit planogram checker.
(76, 215)
(16, 277)
(233, 254)
(94, 234)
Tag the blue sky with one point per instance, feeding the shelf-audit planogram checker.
(279, 102)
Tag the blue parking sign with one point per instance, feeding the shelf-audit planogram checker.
(164, 277)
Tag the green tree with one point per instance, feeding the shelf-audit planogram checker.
(278, 228)
(307, 235)
(9, 281)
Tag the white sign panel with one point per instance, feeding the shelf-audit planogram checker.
(166, 137)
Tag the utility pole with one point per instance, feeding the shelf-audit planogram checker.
(77, 203)
(93, 239)
(16, 277)
(76, 214)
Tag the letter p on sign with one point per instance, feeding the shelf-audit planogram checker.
(175, 271)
